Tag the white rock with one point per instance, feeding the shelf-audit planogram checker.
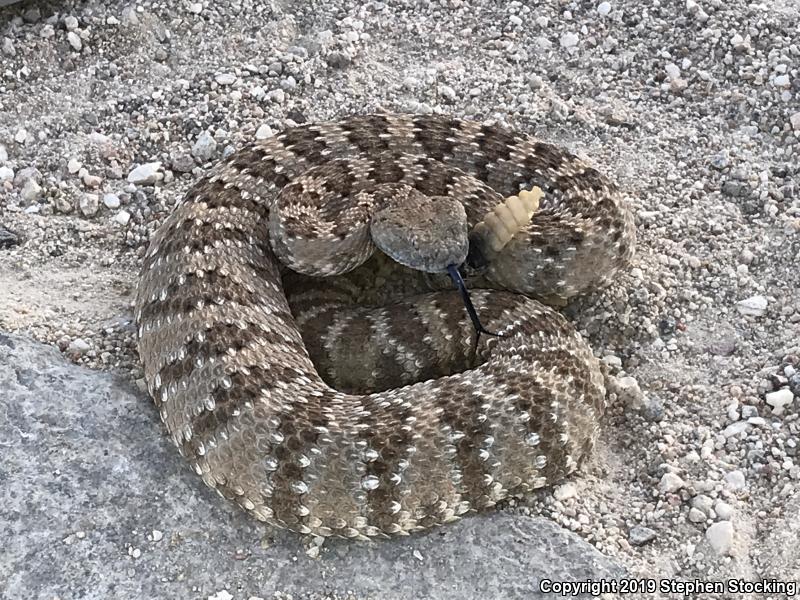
(673, 71)
(565, 491)
(157, 535)
(205, 147)
(696, 515)
(111, 201)
(735, 480)
(71, 23)
(73, 166)
(629, 392)
(794, 120)
(6, 174)
(122, 217)
(89, 204)
(782, 81)
(779, 400)
(568, 40)
(4, 152)
(724, 510)
(755, 306)
(21, 136)
(146, 174)
(225, 79)
(264, 132)
(74, 41)
(720, 536)
(604, 8)
(78, 346)
(196, 8)
(735, 428)
(31, 191)
(670, 483)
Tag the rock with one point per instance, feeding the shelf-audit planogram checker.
(122, 217)
(6, 174)
(264, 132)
(195, 8)
(670, 483)
(735, 480)
(565, 491)
(3, 154)
(702, 503)
(338, 60)
(225, 79)
(8, 239)
(74, 41)
(782, 81)
(639, 535)
(146, 174)
(115, 477)
(603, 9)
(779, 400)
(568, 40)
(629, 392)
(89, 204)
(182, 163)
(755, 306)
(696, 515)
(71, 23)
(78, 347)
(205, 148)
(111, 201)
(31, 191)
(735, 428)
(795, 121)
(723, 510)
(673, 71)
(73, 166)
(8, 47)
(720, 536)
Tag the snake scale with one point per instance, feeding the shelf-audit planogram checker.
(327, 381)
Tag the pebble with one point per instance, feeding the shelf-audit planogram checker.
(782, 81)
(568, 40)
(639, 534)
(794, 120)
(78, 347)
(182, 163)
(205, 148)
(111, 201)
(6, 174)
(221, 595)
(74, 41)
(702, 503)
(71, 23)
(673, 71)
(754, 306)
(670, 483)
(73, 166)
(31, 191)
(122, 217)
(157, 535)
(263, 132)
(89, 204)
(195, 8)
(720, 536)
(338, 60)
(21, 136)
(565, 491)
(8, 47)
(735, 480)
(779, 400)
(696, 515)
(4, 153)
(723, 510)
(603, 9)
(225, 79)
(146, 174)
(629, 392)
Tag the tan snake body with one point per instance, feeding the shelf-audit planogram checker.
(417, 430)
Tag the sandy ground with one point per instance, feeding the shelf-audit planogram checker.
(692, 107)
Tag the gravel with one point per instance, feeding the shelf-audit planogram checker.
(692, 107)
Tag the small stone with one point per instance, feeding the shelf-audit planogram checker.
(31, 191)
(755, 306)
(629, 392)
(603, 9)
(639, 535)
(111, 201)
(73, 166)
(78, 347)
(6, 174)
(182, 163)
(21, 136)
(71, 23)
(196, 8)
(568, 40)
(723, 510)
(670, 483)
(782, 81)
(89, 204)
(4, 153)
(91, 181)
(795, 121)
(75, 41)
(720, 536)
(673, 71)
(515, 20)
(697, 515)
(157, 535)
(735, 480)
(8, 238)
(122, 217)
(146, 174)
(447, 93)
(264, 132)
(225, 79)
(8, 47)
(735, 429)
(565, 491)
(338, 60)
(222, 595)
(205, 147)
(779, 400)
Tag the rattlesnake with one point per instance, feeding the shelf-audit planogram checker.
(402, 424)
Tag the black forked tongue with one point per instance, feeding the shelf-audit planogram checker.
(473, 314)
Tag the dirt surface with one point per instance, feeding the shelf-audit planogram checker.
(692, 107)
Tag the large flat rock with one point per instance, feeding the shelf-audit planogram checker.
(87, 475)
